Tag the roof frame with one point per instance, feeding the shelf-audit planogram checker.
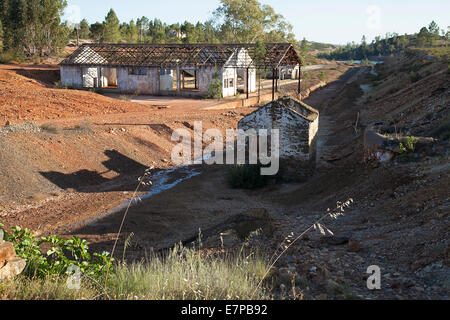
(182, 55)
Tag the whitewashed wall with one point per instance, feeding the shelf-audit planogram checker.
(71, 76)
(144, 84)
(229, 73)
(297, 134)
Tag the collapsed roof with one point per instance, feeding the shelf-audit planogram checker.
(272, 56)
(305, 111)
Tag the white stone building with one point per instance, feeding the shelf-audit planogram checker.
(298, 125)
(171, 69)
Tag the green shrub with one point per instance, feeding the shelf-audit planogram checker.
(246, 177)
(322, 76)
(124, 98)
(8, 57)
(409, 145)
(215, 87)
(61, 255)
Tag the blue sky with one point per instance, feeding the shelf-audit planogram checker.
(329, 21)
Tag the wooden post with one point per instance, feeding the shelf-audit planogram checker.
(273, 84)
(195, 80)
(299, 79)
(276, 81)
(178, 80)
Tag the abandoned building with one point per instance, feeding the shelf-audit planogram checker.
(298, 124)
(173, 69)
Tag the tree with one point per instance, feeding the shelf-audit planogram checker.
(423, 37)
(142, 25)
(85, 30)
(129, 32)
(433, 28)
(157, 31)
(34, 27)
(447, 36)
(245, 21)
(111, 32)
(210, 33)
(304, 47)
(97, 30)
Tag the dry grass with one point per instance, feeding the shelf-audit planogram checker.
(184, 274)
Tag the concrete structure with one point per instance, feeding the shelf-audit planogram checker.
(187, 70)
(298, 124)
(291, 72)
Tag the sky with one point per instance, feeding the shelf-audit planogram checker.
(329, 21)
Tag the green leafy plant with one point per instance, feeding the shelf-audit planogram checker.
(62, 254)
(215, 87)
(409, 145)
(322, 76)
(246, 177)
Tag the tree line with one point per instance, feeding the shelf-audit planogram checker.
(392, 43)
(241, 21)
(34, 27)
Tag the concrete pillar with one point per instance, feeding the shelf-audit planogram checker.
(178, 80)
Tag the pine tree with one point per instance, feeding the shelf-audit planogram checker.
(111, 32)
(97, 30)
(33, 27)
(85, 30)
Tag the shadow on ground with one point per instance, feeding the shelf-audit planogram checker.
(80, 180)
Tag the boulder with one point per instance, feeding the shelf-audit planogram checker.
(7, 252)
(12, 268)
(10, 265)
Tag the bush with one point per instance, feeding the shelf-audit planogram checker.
(322, 76)
(124, 98)
(215, 87)
(61, 255)
(246, 177)
(8, 57)
(409, 145)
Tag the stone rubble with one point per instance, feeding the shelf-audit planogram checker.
(10, 265)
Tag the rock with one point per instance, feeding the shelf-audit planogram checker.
(225, 239)
(12, 268)
(354, 245)
(252, 220)
(332, 285)
(7, 252)
(337, 239)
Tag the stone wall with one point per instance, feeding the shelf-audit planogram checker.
(294, 129)
(298, 135)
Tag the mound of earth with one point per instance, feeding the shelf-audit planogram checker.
(23, 98)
